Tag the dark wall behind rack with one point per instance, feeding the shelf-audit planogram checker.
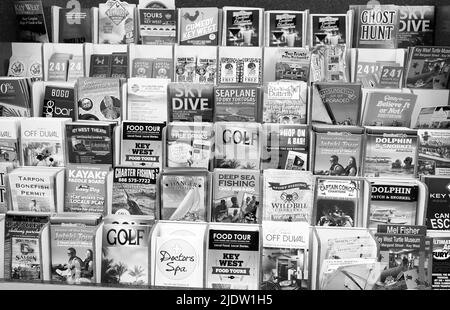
(8, 22)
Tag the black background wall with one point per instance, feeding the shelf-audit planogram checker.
(8, 22)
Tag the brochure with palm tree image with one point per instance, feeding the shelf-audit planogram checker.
(125, 250)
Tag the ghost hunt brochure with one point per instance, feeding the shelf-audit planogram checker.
(375, 27)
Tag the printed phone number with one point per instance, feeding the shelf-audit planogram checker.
(225, 300)
(135, 180)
